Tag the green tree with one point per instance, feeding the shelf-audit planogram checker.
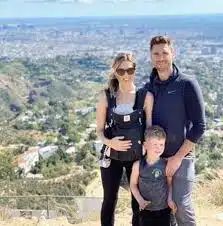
(7, 169)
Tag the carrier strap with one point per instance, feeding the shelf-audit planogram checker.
(110, 99)
(139, 100)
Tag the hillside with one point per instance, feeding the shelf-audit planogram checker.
(52, 102)
(48, 92)
(26, 85)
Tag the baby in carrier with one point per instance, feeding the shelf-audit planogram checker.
(126, 122)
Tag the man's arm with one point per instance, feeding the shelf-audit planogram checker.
(195, 112)
(194, 107)
(175, 161)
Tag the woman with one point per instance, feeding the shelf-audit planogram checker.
(121, 102)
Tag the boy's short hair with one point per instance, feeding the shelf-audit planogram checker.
(160, 40)
(156, 132)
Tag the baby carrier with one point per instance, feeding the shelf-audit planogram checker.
(130, 126)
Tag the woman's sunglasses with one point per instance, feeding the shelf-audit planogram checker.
(129, 71)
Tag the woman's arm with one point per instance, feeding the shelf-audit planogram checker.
(148, 108)
(101, 110)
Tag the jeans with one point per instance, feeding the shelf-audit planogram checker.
(111, 178)
(182, 189)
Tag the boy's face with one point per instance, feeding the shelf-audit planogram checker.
(154, 146)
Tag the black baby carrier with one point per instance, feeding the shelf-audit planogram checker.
(130, 126)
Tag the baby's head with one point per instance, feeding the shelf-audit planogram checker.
(155, 138)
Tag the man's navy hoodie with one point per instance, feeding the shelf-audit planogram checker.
(178, 108)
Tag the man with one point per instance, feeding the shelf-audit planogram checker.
(179, 109)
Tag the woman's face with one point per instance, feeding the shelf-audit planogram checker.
(125, 72)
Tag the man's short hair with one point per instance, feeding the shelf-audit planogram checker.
(155, 132)
(160, 40)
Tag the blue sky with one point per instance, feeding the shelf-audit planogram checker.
(76, 8)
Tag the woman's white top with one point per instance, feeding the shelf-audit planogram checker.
(124, 109)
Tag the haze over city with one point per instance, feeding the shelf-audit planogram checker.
(76, 8)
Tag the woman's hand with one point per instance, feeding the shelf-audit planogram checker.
(118, 144)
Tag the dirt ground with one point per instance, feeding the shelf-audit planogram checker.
(205, 217)
(207, 213)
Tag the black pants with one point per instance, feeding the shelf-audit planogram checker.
(155, 218)
(111, 178)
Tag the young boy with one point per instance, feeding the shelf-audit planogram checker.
(149, 184)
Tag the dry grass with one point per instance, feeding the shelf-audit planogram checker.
(208, 199)
(4, 214)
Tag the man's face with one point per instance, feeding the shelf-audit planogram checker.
(162, 57)
(154, 146)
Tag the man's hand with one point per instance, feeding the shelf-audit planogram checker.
(173, 165)
(143, 204)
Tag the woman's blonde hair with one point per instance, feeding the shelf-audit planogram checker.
(113, 83)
